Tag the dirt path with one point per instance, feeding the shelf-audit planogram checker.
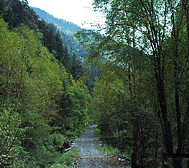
(90, 156)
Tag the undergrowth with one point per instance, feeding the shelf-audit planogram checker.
(67, 159)
(109, 150)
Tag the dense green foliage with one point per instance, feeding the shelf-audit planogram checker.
(137, 73)
(74, 48)
(41, 105)
(140, 99)
(16, 13)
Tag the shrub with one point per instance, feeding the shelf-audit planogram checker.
(66, 160)
(9, 131)
(57, 140)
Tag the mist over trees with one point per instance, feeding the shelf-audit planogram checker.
(132, 82)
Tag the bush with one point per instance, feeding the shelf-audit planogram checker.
(97, 132)
(57, 140)
(21, 158)
(46, 155)
(9, 132)
(66, 160)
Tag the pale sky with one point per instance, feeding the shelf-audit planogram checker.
(79, 12)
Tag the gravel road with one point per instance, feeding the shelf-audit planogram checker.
(90, 156)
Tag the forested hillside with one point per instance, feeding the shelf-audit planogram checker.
(134, 85)
(66, 30)
(67, 27)
(42, 107)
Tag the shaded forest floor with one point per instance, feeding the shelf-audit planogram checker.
(90, 156)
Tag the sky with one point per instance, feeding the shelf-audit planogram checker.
(79, 12)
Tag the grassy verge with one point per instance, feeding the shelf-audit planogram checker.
(67, 159)
(109, 150)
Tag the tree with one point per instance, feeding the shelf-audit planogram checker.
(150, 22)
(35, 87)
(32, 85)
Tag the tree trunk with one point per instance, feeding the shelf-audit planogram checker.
(135, 148)
(163, 106)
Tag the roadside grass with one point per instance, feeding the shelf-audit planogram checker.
(97, 132)
(109, 150)
(105, 148)
(67, 159)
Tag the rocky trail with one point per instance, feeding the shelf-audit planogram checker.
(90, 156)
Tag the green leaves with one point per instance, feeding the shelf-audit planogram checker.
(143, 82)
(38, 98)
(75, 104)
(9, 132)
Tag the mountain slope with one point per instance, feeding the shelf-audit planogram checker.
(66, 30)
(66, 26)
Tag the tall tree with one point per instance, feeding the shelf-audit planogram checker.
(153, 22)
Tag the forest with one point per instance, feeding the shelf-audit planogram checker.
(133, 84)
(140, 99)
(42, 105)
(66, 29)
